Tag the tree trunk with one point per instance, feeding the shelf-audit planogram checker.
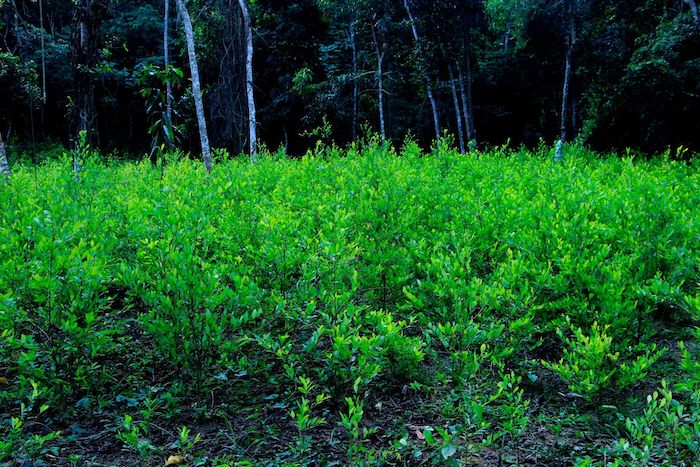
(166, 60)
(470, 101)
(355, 84)
(252, 123)
(85, 57)
(570, 42)
(424, 72)
(466, 108)
(458, 112)
(466, 92)
(43, 53)
(380, 85)
(506, 41)
(4, 166)
(18, 34)
(196, 89)
(380, 50)
(565, 97)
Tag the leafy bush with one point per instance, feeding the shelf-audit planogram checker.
(360, 278)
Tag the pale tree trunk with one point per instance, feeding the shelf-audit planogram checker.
(694, 10)
(380, 84)
(380, 50)
(424, 72)
(85, 57)
(466, 92)
(196, 87)
(506, 41)
(355, 84)
(466, 108)
(18, 35)
(458, 112)
(166, 60)
(43, 52)
(4, 166)
(252, 122)
(570, 42)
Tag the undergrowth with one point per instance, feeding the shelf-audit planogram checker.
(363, 305)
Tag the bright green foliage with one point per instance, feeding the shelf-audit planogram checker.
(589, 364)
(667, 429)
(322, 288)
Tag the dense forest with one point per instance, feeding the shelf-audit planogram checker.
(611, 74)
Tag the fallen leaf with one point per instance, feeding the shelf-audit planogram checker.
(420, 435)
(174, 460)
(3, 380)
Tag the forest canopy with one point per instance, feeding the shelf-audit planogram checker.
(610, 74)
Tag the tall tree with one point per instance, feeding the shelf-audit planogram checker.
(344, 18)
(252, 122)
(352, 36)
(85, 48)
(380, 47)
(166, 62)
(196, 86)
(458, 109)
(466, 94)
(4, 166)
(570, 39)
(423, 69)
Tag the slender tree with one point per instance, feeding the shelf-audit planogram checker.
(423, 69)
(43, 51)
(166, 62)
(352, 36)
(458, 110)
(380, 51)
(252, 122)
(85, 54)
(570, 43)
(196, 87)
(4, 166)
(466, 95)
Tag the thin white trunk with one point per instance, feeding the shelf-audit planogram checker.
(571, 40)
(565, 97)
(380, 84)
(196, 89)
(558, 154)
(433, 105)
(43, 51)
(467, 103)
(506, 40)
(355, 84)
(252, 123)
(166, 60)
(470, 102)
(458, 113)
(426, 79)
(379, 49)
(18, 35)
(4, 166)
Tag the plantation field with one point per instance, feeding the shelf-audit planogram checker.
(367, 306)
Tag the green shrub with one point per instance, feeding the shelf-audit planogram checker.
(437, 280)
